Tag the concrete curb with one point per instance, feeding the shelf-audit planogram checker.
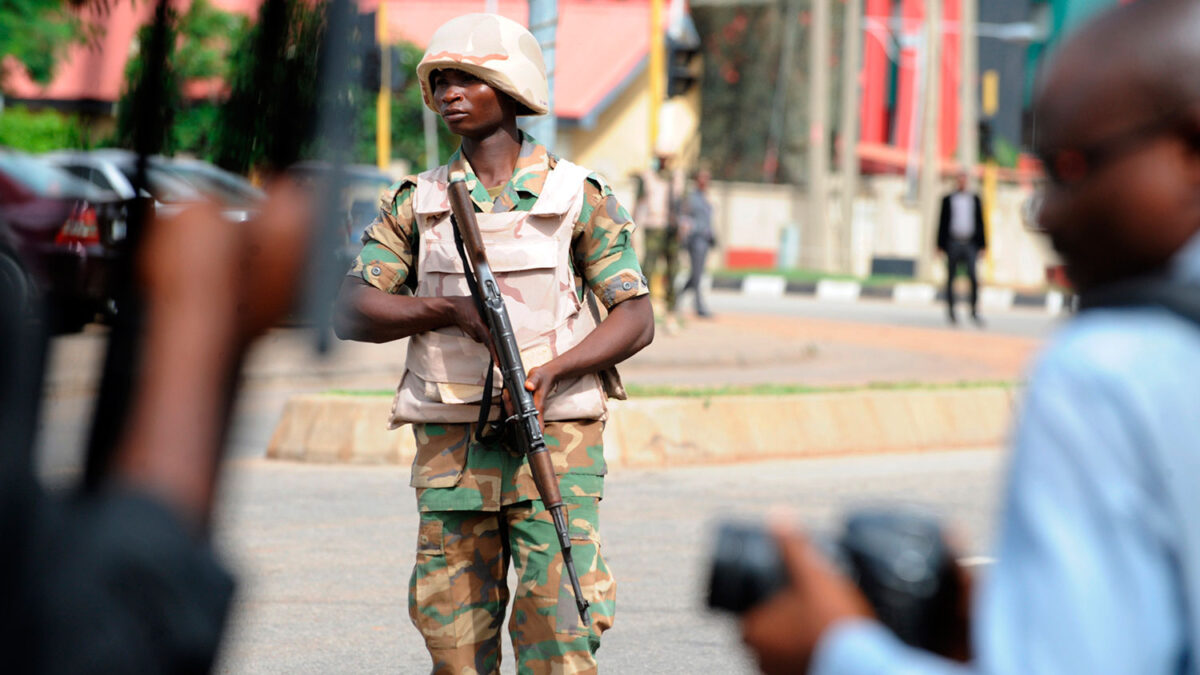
(663, 432)
(990, 297)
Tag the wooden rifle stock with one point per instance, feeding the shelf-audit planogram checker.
(524, 416)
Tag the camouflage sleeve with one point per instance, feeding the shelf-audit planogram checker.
(603, 246)
(389, 243)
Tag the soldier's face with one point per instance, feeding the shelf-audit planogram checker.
(469, 106)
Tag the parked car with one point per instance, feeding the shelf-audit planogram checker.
(241, 199)
(114, 170)
(364, 186)
(58, 238)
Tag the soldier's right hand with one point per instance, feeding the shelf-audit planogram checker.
(466, 316)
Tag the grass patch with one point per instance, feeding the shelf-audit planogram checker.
(365, 393)
(810, 276)
(677, 391)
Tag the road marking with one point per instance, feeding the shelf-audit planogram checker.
(762, 284)
(914, 294)
(993, 297)
(838, 291)
(1054, 303)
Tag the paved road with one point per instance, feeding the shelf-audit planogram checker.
(324, 554)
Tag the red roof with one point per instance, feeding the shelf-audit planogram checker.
(602, 44)
(97, 71)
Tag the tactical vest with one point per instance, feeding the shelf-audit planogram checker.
(529, 253)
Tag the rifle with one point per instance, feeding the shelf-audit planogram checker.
(524, 420)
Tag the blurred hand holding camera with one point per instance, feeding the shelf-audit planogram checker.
(783, 632)
(892, 566)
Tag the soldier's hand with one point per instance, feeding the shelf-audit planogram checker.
(466, 317)
(541, 381)
(784, 631)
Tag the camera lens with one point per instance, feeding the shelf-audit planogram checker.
(747, 567)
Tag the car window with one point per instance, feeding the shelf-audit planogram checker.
(229, 189)
(90, 174)
(44, 179)
(163, 186)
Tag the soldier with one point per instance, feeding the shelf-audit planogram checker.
(555, 236)
(659, 191)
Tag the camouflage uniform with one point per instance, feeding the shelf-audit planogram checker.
(479, 506)
(657, 204)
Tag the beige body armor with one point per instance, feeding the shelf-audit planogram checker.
(529, 253)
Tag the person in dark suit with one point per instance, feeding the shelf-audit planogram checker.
(962, 238)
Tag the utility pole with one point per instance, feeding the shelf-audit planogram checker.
(543, 23)
(783, 77)
(816, 241)
(851, 58)
(968, 113)
(383, 104)
(929, 180)
(658, 70)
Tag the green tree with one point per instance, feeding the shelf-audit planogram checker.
(742, 75)
(207, 36)
(147, 101)
(270, 114)
(39, 131)
(37, 33)
(199, 42)
(741, 58)
(408, 131)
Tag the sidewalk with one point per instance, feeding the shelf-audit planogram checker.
(731, 349)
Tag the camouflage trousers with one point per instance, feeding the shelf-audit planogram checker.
(459, 591)
(662, 246)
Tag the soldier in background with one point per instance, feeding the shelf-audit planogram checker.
(555, 236)
(659, 190)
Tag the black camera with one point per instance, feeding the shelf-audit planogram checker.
(898, 559)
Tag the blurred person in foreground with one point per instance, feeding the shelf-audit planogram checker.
(558, 241)
(1098, 567)
(961, 236)
(696, 227)
(123, 579)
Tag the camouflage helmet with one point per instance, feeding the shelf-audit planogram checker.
(495, 49)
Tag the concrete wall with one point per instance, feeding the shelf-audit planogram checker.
(751, 220)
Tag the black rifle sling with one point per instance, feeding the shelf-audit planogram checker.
(1181, 298)
(493, 432)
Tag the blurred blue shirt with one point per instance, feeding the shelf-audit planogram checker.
(1098, 567)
